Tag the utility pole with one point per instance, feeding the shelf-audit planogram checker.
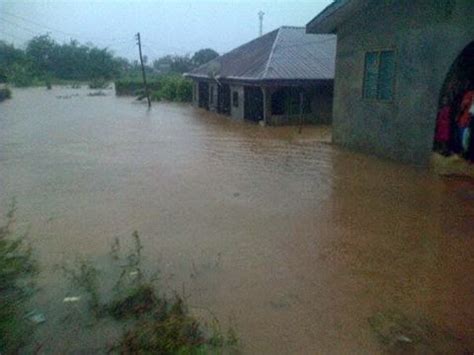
(147, 93)
(260, 17)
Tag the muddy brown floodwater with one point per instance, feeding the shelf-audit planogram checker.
(300, 242)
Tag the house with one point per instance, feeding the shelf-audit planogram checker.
(283, 77)
(395, 61)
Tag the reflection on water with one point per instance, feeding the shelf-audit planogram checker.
(310, 240)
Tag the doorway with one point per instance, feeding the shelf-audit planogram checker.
(454, 133)
(253, 103)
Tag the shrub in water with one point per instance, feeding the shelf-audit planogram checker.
(5, 93)
(184, 91)
(16, 267)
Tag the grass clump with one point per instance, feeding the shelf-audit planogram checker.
(85, 277)
(98, 83)
(136, 302)
(154, 322)
(16, 271)
(168, 329)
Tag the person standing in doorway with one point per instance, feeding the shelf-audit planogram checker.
(464, 118)
(470, 148)
(443, 128)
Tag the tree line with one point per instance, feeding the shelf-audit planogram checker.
(45, 60)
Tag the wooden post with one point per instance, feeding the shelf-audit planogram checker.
(147, 93)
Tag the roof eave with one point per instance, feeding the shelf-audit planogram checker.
(332, 16)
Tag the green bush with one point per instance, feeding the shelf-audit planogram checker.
(20, 75)
(184, 92)
(5, 93)
(16, 268)
(168, 88)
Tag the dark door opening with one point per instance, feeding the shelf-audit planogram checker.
(223, 99)
(454, 132)
(203, 95)
(253, 104)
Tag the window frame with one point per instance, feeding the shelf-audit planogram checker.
(379, 51)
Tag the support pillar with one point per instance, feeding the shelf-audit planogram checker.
(267, 104)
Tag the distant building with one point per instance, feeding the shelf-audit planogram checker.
(283, 77)
(395, 61)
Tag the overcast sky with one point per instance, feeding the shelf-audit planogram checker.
(166, 26)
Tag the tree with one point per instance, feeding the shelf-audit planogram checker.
(203, 56)
(40, 50)
(174, 63)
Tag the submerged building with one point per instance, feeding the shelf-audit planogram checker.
(396, 62)
(283, 77)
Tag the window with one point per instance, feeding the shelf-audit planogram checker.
(379, 75)
(235, 99)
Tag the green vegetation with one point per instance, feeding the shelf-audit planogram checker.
(399, 334)
(154, 322)
(98, 83)
(5, 93)
(45, 62)
(16, 271)
(134, 87)
(167, 87)
(183, 63)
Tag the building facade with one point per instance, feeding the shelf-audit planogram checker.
(284, 77)
(395, 60)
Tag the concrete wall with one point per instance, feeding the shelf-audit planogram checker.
(237, 112)
(427, 36)
(195, 93)
(213, 87)
(321, 105)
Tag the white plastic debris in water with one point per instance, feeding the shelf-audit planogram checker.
(404, 339)
(36, 317)
(133, 273)
(71, 299)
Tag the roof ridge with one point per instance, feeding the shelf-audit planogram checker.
(293, 27)
(223, 55)
(275, 41)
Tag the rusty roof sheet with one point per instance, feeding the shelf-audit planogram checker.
(288, 53)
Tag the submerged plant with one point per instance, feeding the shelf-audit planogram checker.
(16, 270)
(155, 323)
(85, 277)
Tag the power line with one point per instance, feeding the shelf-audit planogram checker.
(29, 30)
(68, 34)
(18, 26)
(12, 36)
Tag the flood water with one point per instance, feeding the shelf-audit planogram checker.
(300, 242)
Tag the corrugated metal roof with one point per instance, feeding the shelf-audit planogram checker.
(288, 53)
